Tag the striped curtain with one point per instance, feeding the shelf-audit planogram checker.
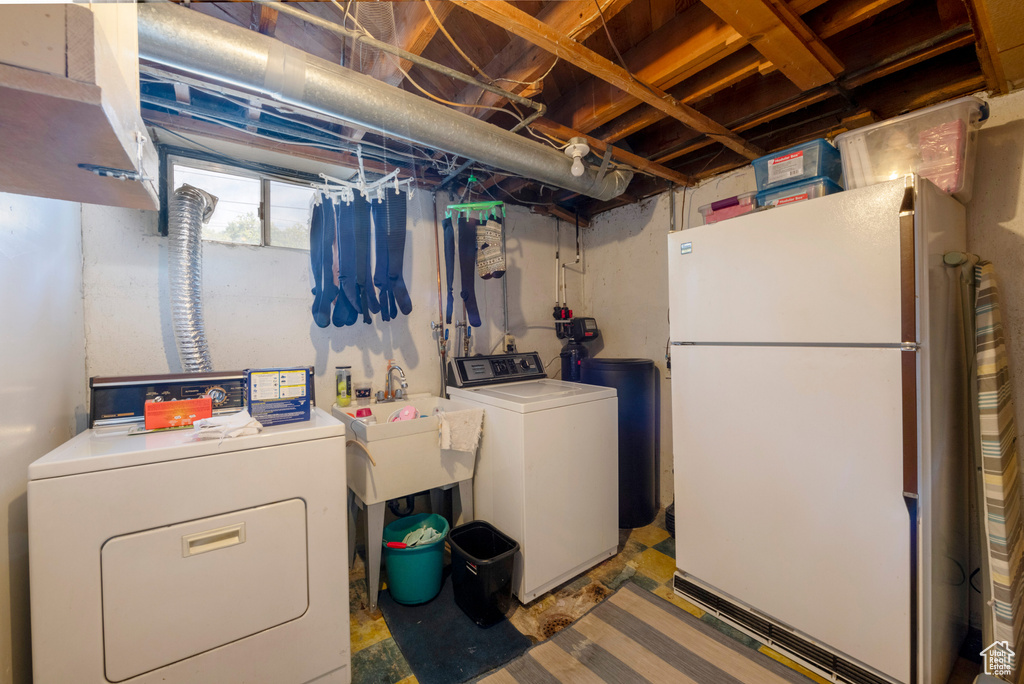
(1003, 495)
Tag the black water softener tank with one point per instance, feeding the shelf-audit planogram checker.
(634, 381)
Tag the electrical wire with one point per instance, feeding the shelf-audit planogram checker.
(455, 45)
(618, 54)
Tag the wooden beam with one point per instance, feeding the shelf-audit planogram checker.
(264, 19)
(415, 27)
(529, 28)
(841, 15)
(598, 147)
(578, 19)
(722, 75)
(957, 40)
(690, 43)
(781, 35)
(983, 20)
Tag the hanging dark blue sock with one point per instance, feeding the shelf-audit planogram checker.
(321, 235)
(449, 264)
(396, 207)
(467, 268)
(366, 298)
(346, 307)
(380, 266)
(316, 258)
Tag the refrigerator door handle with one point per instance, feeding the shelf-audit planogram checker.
(908, 335)
(908, 371)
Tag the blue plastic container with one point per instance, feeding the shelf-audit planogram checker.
(798, 164)
(797, 192)
(414, 573)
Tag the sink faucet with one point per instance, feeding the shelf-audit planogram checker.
(390, 394)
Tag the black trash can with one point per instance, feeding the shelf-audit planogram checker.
(634, 382)
(482, 561)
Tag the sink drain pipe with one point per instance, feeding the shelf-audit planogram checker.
(190, 208)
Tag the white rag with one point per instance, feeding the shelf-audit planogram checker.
(239, 424)
(460, 430)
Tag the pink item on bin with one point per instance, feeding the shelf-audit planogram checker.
(942, 154)
(728, 208)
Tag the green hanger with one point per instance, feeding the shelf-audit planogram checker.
(485, 208)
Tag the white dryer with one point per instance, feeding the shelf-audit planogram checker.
(547, 472)
(154, 558)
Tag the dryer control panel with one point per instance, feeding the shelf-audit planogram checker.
(477, 371)
(122, 400)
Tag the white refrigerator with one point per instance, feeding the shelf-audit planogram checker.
(819, 431)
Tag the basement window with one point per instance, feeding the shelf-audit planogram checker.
(253, 207)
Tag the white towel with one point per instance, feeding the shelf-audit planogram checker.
(239, 424)
(460, 430)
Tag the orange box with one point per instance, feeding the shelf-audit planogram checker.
(169, 414)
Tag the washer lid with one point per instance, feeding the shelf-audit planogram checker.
(533, 395)
(107, 448)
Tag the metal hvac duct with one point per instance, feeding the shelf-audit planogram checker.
(185, 39)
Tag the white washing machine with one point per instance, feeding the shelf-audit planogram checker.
(547, 471)
(154, 558)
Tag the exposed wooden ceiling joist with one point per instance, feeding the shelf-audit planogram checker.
(264, 19)
(540, 34)
(576, 18)
(999, 29)
(778, 33)
(841, 15)
(693, 41)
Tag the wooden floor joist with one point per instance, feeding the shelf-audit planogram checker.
(529, 28)
(781, 35)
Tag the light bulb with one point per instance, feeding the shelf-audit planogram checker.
(577, 166)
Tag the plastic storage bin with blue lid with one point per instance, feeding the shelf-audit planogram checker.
(797, 192)
(798, 163)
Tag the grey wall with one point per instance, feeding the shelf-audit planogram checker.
(42, 395)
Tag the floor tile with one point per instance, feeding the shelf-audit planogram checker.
(669, 595)
(367, 631)
(610, 571)
(793, 665)
(667, 547)
(381, 663)
(650, 535)
(731, 631)
(656, 565)
(645, 582)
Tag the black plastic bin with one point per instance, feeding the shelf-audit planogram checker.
(482, 561)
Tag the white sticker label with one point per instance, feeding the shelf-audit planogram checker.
(789, 200)
(785, 167)
(686, 248)
(265, 386)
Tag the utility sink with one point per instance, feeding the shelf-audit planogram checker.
(407, 455)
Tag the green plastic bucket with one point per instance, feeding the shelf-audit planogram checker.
(414, 573)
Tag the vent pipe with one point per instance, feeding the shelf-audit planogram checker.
(190, 208)
(185, 39)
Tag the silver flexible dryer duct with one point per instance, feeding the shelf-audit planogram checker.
(189, 40)
(190, 208)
